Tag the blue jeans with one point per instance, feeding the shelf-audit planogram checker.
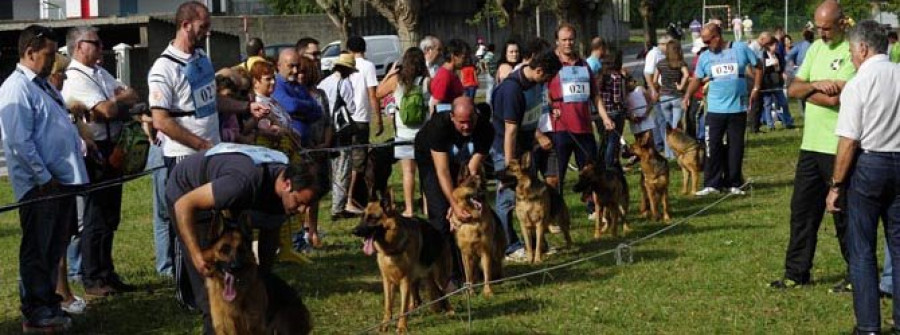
(887, 276)
(73, 251)
(611, 143)
(504, 206)
(162, 232)
(872, 194)
(670, 115)
(772, 99)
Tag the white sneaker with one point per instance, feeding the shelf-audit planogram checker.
(706, 191)
(517, 256)
(736, 191)
(554, 229)
(551, 251)
(77, 306)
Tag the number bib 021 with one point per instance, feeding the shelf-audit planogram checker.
(259, 155)
(576, 83)
(202, 79)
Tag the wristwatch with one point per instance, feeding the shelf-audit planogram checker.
(834, 184)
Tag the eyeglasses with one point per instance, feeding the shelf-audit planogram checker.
(316, 53)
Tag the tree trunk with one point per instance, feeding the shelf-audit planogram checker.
(649, 29)
(339, 13)
(403, 15)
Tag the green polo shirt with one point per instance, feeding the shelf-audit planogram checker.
(824, 62)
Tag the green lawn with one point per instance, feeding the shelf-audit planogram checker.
(707, 275)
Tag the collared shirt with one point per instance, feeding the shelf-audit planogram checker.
(823, 62)
(91, 86)
(798, 52)
(39, 140)
(870, 106)
(298, 103)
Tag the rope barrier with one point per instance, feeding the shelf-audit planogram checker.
(622, 253)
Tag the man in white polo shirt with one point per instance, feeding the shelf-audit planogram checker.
(185, 107)
(108, 101)
(869, 129)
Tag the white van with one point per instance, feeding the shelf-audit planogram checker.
(381, 50)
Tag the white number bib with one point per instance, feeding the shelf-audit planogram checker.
(725, 70)
(258, 154)
(576, 83)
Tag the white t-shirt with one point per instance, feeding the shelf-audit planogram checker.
(91, 86)
(362, 79)
(637, 104)
(653, 56)
(170, 90)
(329, 85)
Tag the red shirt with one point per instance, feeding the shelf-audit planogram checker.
(468, 76)
(445, 86)
(699, 94)
(575, 117)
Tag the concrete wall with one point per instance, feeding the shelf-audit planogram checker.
(26, 10)
(278, 29)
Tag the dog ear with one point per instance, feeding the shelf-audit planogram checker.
(463, 173)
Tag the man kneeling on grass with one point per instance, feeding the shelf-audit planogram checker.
(233, 177)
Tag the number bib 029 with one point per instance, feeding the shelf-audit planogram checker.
(576, 83)
(202, 79)
(726, 67)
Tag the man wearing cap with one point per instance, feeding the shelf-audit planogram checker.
(44, 156)
(339, 91)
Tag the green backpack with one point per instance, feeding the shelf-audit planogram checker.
(413, 107)
(130, 153)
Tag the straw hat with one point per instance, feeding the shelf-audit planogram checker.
(60, 64)
(346, 60)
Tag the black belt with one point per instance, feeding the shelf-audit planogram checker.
(181, 114)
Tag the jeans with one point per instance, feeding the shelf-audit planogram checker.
(811, 178)
(45, 233)
(873, 193)
(670, 112)
(505, 204)
(772, 99)
(724, 163)
(73, 251)
(611, 143)
(340, 184)
(102, 215)
(583, 145)
(163, 234)
(887, 282)
(471, 91)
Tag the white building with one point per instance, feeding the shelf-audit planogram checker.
(29, 10)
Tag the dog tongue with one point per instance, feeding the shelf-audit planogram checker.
(229, 294)
(369, 246)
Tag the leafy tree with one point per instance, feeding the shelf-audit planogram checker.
(403, 15)
(294, 6)
(338, 11)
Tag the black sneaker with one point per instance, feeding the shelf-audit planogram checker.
(116, 282)
(784, 283)
(842, 287)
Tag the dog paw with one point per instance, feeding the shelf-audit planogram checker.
(667, 219)
(487, 292)
(597, 235)
(384, 327)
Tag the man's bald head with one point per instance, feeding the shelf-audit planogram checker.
(463, 115)
(711, 35)
(765, 39)
(829, 19)
(288, 64)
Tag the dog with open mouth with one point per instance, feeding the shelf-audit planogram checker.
(477, 236)
(537, 207)
(409, 252)
(244, 301)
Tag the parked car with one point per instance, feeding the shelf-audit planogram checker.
(381, 50)
(272, 51)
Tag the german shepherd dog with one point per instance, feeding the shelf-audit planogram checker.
(537, 207)
(610, 188)
(241, 300)
(410, 251)
(654, 178)
(477, 236)
(690, 156)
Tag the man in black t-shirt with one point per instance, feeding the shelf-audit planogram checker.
(203, 184)
(443, 145)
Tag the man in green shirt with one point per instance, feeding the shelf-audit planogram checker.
(819, 81)
(894, 51)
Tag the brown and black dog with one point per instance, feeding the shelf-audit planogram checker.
(410, 252)
(690, 156)
(654, 177)
(610, 189)
(537, 207)
(241, 300)
(477, 236)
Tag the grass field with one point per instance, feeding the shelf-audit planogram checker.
(707, 275)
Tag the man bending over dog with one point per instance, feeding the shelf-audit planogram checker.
(446, 143)
(231, 178)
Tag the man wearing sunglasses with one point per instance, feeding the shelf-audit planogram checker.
(107, 101)
(43, 153)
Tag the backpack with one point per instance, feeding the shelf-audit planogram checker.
(413, 109)
(129, 156)
(342, 119)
